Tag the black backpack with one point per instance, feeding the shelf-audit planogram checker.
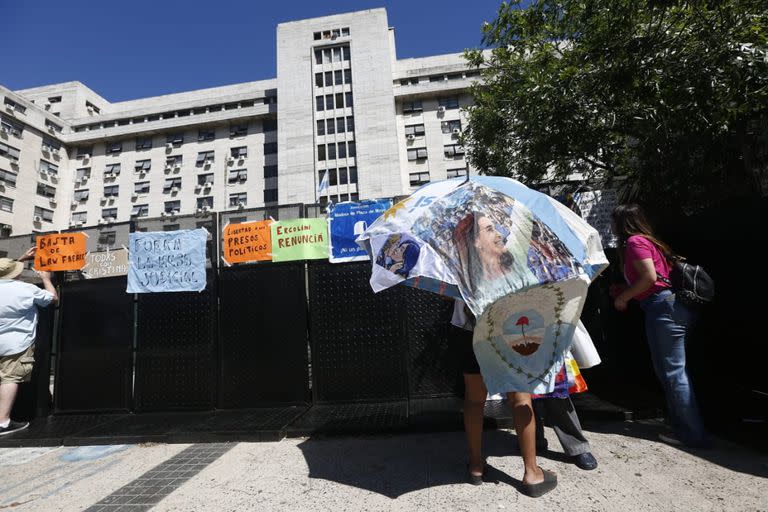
(690, 283)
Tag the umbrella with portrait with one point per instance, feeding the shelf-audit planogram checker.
(520, 260)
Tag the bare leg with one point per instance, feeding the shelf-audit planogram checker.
(474, 404)
(525, 426)
(7, 397)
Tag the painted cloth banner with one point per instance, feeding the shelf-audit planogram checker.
(65, 251)
(247, 241)
(299, 239)
(168, 261)
(106, 264)
(348, 220)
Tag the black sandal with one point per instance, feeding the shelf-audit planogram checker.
(541, 488)
(476, 479)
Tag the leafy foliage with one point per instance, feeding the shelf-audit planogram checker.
(666, 100)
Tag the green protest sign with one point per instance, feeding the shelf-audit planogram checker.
(299, 239)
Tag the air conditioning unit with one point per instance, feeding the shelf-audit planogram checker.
(110, 219)
(207, 163)
(174, 190)
(46, 149)
(4, 129)
(37, 218)
(456, 131)
(76, 224)
(440, 109)
(134, 196)
(198, 187)
(231, 160)
(89, 109)
(176, 168)
(410, 136)
(52, 201)
(102, 220)
(14, 163)
(86, 157)
(169, 146)
(51, 129)
(206, 209)
(43, 174)
(47, 105)
(174, 212)
(240, 205)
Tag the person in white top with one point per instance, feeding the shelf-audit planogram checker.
(18, 327)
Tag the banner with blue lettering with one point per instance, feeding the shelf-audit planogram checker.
(348, 220)
(167, 261)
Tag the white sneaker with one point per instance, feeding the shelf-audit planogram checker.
(13, 426)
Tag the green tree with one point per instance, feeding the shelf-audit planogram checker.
(668, 101)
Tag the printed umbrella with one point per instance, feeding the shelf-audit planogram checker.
(520, 260)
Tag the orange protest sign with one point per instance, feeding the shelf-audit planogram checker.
(247, 241)
(65, 251)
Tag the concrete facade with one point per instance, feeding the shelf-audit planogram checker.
(377, 126)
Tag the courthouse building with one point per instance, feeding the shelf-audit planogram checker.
(342, 105)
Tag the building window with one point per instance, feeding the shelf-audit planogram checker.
(410, 81)
(9, 152)
(333, 177)
(112, 170)
(270, 171)
(338, 77)
(321, 127)
(15, 129)
(92, 109)
(353, 175)
(79, 218)
(238, 199)
(350, 124)
(82, 151)
(320, 103)
(143, 143)
(141, 187)
(8, 177)
(205, 202)
(143, 165)
(340, 125)
(114, 148)
(330, 127)
(342, 152)
(351, 149)
(449, 103)
(318, 79)
(176, 139)
(453, 150)
(418, 178)
(343, 176)
(109, 213)
(205, 179)
(270, 148)
(316, 36)
(450, 126)
(49, 168)
(237, 176)
(348, 98)
(321, 152)
(112, 191)
(204, 158)
(339, 100)
(82, 174)
(173, 161)
(414, 129)
(345, 31)
(329, 102)
(331, 152)
(337, 54)
(44, 213)
(417, 154)
(12, 105)
(205, 135)
(456, 173)
(345, 50)
(410, 107)
(171, 185)
(6, 204)
(81, 195)
(347, 76)
(140, 210)
(269, 125)
(270, 195)
(328, 78)
(318, 57)
(46, 190)
(172, 207)
(437, 78)
(50, 144)
(240, 130)
(106, 240)
(241, 152)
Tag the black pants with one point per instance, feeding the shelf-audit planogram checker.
(561, 414)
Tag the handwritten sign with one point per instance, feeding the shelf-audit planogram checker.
(168, 261)
(299, 239)
(106, 264)
(247, 241)
(348, 220)
(596, 208)
(65, 251)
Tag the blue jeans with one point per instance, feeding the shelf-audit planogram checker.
(666, 324)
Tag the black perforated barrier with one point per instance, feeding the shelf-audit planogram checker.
(94, 362)
(357, 337)
(176, 337)
(263, 346)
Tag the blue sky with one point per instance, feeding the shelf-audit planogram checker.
(128, 50)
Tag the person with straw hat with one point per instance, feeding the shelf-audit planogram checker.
(18, 325)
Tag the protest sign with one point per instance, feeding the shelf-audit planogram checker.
(106, 264)
(346, 221)
(299, 239)
(247, 241)
(596, 207)
(65, 251)
(169, 261)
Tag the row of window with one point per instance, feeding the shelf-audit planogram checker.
(449, 103)
(176, 113)
(414, 80)
(10, 126)
(422, 177)
(13, 106)
(334, 150)
(331, 101)
(329, 78)
(8, 177)
(338, 125)
(175, 140)
(331, 34)
(337, 198)
(9, 152)
(329, 55)
(340, 176)
(112, 170)
(449, 150)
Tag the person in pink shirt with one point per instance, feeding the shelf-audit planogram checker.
(645, 259)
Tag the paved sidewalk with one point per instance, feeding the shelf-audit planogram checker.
(397, 472)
